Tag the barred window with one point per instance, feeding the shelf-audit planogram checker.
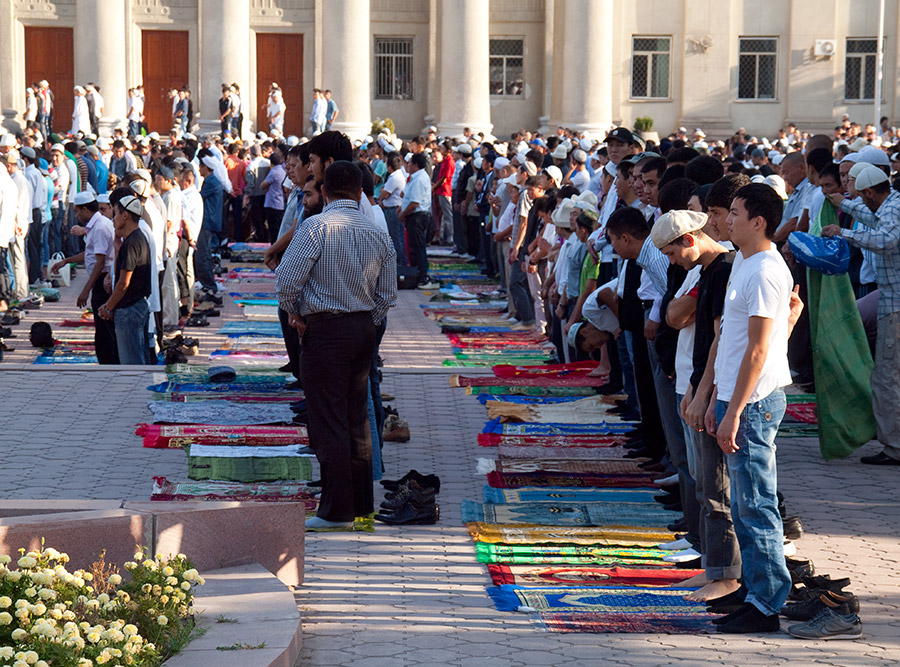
(507, 69)
(393, 68)
(756, 68)
(859, 73)
(650, 58)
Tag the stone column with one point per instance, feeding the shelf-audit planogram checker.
(464, 99)
(224, 56)
(99, 57)
(582, 87)
(346, 64)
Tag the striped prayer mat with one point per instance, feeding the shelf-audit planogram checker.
(250, 329)
(512, 480)
(692, 623)
(550, 575)
(260, 387)
(530, 391)
(648, 515)
(163, 489)
(600, 598)
(224, 413)
(553, 494)
(645, 538)
(249, 469)
(565, 452)
(567, 554)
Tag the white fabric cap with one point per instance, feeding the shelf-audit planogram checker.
(210, 162)
(510, 180)
(132, 204)
(600, 316)
(586, 144)
(84, 197)
(561, 215)
(144, 174)
(868, 176)
(103, 199)
(675, 224)
(777, 183)
(559, 153)
(850, 157)
(579, 156)
(8, 139)
(530, 168)
(500, 162)
(874, 155)
(555, 174)
(611, 169)
(57, 147)
(139, 187)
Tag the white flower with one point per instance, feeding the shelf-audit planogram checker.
(27, 562)
(31, 657)
(190, 575)
(115, 579)
(4, 559)
(5, 618)
(93, 637)
(19, 634)
(185, 585)
(5, 602)
(6, 652)
(162, 620)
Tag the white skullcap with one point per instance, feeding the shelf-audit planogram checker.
(132, 204)
(84, 197)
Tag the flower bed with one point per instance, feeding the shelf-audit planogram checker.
(50, 617)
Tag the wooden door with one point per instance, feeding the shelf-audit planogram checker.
(164, 65)
(50, 55)
(279, 59)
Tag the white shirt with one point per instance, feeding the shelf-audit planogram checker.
(9, 200)
(137, 108)
(760, 286)
(99, 240)
(174, 215)
(25, 195)
(581, 179)
(561, 268)
(157, 222)
(38, 187)
(684, 351)
(394, 186)
(153, 302)
(98, 105)
(192, 210)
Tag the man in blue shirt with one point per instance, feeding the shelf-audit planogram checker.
(212, 194)
(415, 213)
(331, 110)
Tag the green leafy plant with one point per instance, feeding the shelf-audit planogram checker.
(240, 646)
(643, 124)
(380, 125)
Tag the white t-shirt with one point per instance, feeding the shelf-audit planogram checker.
(505, 220)
(684, 351)
(581, 179)
(137, 108)
(394, 187)
(760, 286)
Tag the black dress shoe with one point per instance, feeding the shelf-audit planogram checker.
(317, 482)
(880, 459)
(693, 564)
(638, 453)
(674, 507)
(652, 466)
(630, 416)
(410, 492)
(735, 609)
(411, 514)
(752, 621)
(429, 481)
(285, 369)
(733, 596)
(610, 388)
(668, 498)
(677, 527)
(293, 386)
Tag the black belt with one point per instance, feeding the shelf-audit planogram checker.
(647, 303)
(318, 317)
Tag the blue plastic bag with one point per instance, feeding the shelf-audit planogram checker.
(829, 256)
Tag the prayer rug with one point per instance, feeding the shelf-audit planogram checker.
(577, 368)
(692, 623)
(608, 467)
(496, 439)
(566, 452)
(193, 397)
(551, 429)
(511, 480)
(256, 355)
(591, 409)
(531, 391)
(246, 451)
(175, 437)
(254, 273)
(67, 359)
(77, 324)
(600, 598)
(224, 387)
(523, 534)
(249, 469)
(294, 492)
(554, 494)
(648, 515)
(527, 400)
(250, 329)
(256, 301)
(474, 363)
(198, 373)
(220, 412)
(803, 412)
(261, 313)
(252, 295)
(526, 575)
(566, 554)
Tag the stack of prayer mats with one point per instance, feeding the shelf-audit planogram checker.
(248, 464)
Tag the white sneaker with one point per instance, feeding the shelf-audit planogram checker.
(667, 481)
(315, 523)
(682, 556)
(521, 326)
(790, 549)
(677, 545)
(429, 285)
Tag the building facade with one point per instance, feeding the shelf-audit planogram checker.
(492, 65)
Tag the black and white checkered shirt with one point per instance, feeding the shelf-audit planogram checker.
(338, 262)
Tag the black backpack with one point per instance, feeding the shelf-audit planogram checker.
(41, 335)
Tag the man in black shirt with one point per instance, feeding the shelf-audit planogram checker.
(680, 236)
(127, 305)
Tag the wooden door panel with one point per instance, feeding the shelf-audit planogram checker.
(164, 64)
(279, 58)
(50, 55)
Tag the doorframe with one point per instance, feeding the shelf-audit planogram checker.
(134, 74)
(17, 75)
(308, 55)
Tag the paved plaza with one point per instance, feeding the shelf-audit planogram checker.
(416, 595)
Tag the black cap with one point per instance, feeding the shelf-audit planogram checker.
(622, 134)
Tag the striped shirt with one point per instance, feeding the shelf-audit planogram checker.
(882, 238)
(338, 262)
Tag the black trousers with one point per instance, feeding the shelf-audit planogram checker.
(273, 220)
(417, 226)
(104, 330)
(651, 423)
(33, 246)
(334, 369)
(258, 218)
(291, 343)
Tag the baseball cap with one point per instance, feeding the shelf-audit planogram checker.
(674, 225)
(622, 134)
(57, 148)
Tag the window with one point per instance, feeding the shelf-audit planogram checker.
(393, 68)
(859, 74)
(756, 68)
(650, 57)
(507, 70)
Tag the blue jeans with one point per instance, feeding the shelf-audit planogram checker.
(134, 128)
(203, 264)
(132, 339)
(56, 224)
(754, 504)
(397, 232)
(626, 360)
(45, 240)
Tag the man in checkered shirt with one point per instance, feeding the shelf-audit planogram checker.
(337, 280)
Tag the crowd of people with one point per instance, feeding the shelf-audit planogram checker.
(667, 264)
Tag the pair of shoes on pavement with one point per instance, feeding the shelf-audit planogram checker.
(395, 429)
(831, 615)
(410, 500)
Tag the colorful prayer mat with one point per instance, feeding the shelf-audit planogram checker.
(564, 452)
(605, 599)
(256, 301)
(250, 329)
(553, 494)
(609, 467)
(648, 515)
(77, 324)
(228, 356)
(529, 575)
(220, 412)
(176, 437)
(645, 623)
(803, 412)
(198, 373)
(220, 388)
(591, 409)
(576, 368)
(496, 439)
(249, 469)
(261, 313)
(530, 391)
(67, 359)
(551, 429)
(511, 480)
(526, 400)
(523, 534)
(565, 554)
(294, 492)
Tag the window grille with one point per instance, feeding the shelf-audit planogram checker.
(756, 68)
(393, 68)
(507, 68)
(859, 73)
(650, 65)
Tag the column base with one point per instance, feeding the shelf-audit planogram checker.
(108, 125)
(545, 125)
(596, 130)
(354, 129)
(204, 126)
(449, 129)
(10, 121)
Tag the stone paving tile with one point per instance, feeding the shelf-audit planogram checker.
(415, 595)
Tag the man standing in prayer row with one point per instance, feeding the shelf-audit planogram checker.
(337, 281)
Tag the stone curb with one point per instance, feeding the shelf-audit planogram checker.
(259, 610)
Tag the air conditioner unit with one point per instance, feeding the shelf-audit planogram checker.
(825, 48)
